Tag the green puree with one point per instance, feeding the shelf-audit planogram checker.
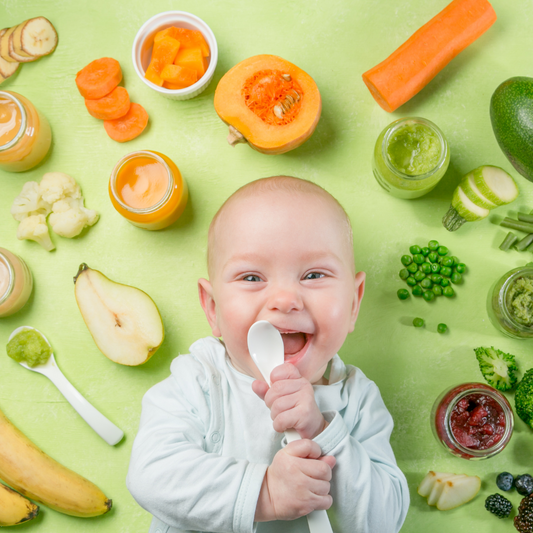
(29, 347)
(414, 149)
(520, 300)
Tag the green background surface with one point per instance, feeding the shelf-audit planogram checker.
(335, 42)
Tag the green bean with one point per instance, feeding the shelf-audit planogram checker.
(509, 240)
(525, 242)
(525, 218)
(517, 225)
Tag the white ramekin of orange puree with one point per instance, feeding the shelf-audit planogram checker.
(147, 189)
(16, 283)
(25, 135)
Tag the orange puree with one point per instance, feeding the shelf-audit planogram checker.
(147, 189)
(142, 182)
(10, 119)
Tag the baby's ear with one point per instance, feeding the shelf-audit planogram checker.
(207, 301)
(358, 296)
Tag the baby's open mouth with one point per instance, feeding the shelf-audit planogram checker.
(293, 343)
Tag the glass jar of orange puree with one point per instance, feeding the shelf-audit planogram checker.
(16, 283)
(148, 190)
(25, 135)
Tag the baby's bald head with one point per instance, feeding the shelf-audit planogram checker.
(268, 188)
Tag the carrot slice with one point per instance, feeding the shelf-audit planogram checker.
(129, 126)
(417, 61)
(176, 75)
(114, 105)
(98, 78)
(192, 58)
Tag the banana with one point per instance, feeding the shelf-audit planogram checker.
(36, 475)
(14, 508)
(7, 68)
(34, 38)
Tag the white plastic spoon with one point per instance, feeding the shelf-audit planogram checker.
(104, 427)
(266, 349)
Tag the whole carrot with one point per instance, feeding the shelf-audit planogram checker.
(417, 61)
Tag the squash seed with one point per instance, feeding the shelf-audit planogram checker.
(286, 77)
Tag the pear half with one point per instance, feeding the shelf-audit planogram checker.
(123, 320)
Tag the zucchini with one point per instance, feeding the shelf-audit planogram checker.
(495, 184)
(462, 210)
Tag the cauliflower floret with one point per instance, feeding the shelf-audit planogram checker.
(29, 202)
(34, 228)
(69, 217)
(57, 186)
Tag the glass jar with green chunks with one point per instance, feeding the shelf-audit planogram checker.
(510, 303)
(411, 155)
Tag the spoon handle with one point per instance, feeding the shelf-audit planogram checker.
(104, 427)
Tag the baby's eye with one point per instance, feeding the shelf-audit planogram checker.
(314, 275)
(251, 277)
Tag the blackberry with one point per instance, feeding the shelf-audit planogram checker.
(524, 484)
(498, 505)
(505, 481)
(523, 521)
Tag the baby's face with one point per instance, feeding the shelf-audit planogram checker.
(286, 258)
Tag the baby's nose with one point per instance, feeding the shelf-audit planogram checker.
(285, 299)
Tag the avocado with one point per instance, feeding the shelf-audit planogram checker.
(511, 114)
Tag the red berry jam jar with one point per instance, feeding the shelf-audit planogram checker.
(472, 421)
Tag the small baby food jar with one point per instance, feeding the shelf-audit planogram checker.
(143, 47)
(510, 303)
(25, 135)
(411, 156)
(16, 283)
(148, 190)
(472, 421)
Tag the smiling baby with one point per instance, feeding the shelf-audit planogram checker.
(210, 453)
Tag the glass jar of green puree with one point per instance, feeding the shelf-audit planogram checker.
(510, 303)
(410, 157)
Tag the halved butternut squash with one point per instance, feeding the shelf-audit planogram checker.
(269, 103)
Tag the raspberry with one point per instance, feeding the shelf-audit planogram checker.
(498, 505)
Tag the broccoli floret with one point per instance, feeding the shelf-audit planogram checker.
(498, 368)
(524, 398)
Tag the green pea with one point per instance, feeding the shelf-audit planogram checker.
(441, 328)
(442, 250)
(444, 282)
(411, 281)
(456, 278)
(446, 271)
(404, 273)
(418, 322)
(437, 289)
(435, 268)
(461, 267)
(433, 257)
(448, 292)
(426, 283)
(419, 276)
(428, 296)
(413, 267)
(433, 245)
(415, 249)
(455, 260)
(447, 261)
(406, 260)
(425, 251)
(417, 290)
(418, 259)
(403, 294)
(425, 268)
(436, 278)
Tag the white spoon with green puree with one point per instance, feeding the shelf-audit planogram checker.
(266, 349)
(104, 427)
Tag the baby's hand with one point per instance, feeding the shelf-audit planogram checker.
(291, 400)
(296, 483)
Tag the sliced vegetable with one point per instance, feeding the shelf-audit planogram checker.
(525, 242)
(416, 62)
(498, 368)
(114, 105)
(178, 77)
(192, 58)
(99, 78)
(187, 38)
(510, 240)
(525, 218)
(129, 126)
(495, 184)
(517, 225)
(471, 190)
(462, 210)
(164, 53)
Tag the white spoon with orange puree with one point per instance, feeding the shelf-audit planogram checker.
(266, 349)
(104, 427)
